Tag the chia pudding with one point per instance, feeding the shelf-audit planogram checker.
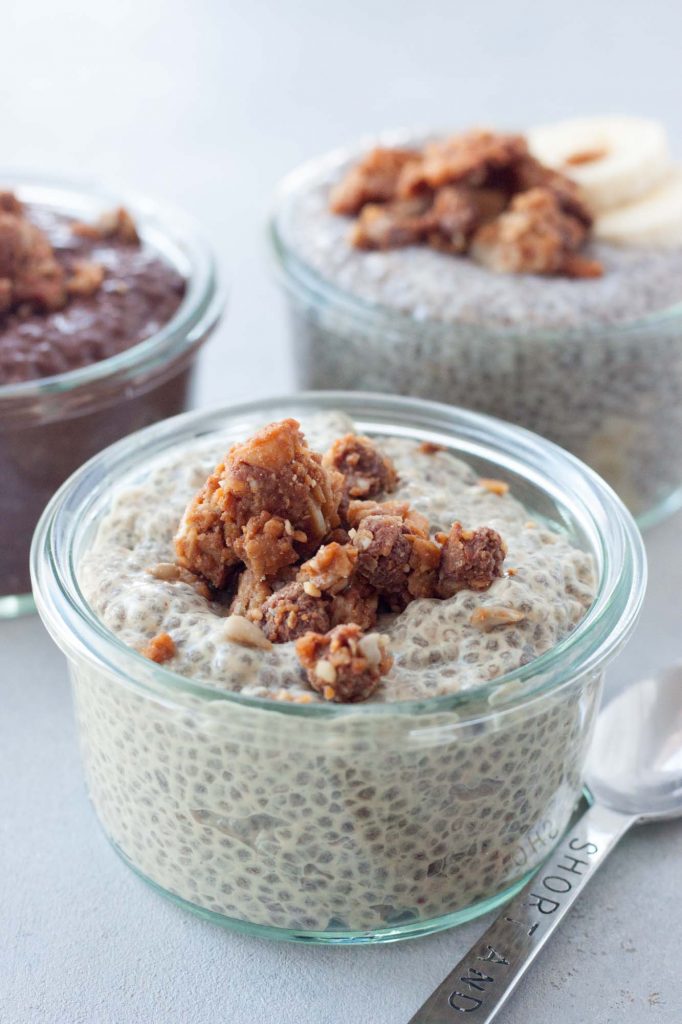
(233, 784)
(81, 284)
(593, 363)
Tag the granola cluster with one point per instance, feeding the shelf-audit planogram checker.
(31, 277)
(480, 193)
(298, 548)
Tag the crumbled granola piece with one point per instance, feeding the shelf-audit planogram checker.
(498, 487)
(395, 558)
(85, 279)
(470, 559)
(240, 630)
(383, 552)
(530, 173)
(6, 292)
(267, 544)
(534, 236)
(250, 596)
(160, 648)
(474, 158)
(365, 470)
(372, 180)
(9, 203)
(415, 521)
(486, 618)
(274, 472)
(330, 570)
(479, 193)
(390, 225)
(114, 225)
(337, 536)
(430, 448)
(345, 665)
(291, 612)
(425, 557)
(457, 211)
(358, 603)
(28, 263)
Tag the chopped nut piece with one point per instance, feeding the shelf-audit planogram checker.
(372, 180)
(290, 612)
(160, 648)
(116, 225)
(345, 665)
(430, 448)
(85, 279)
(240, 630)
(365, 470)
(330, 570)
(534, 236)
(274, 472)
(470, 559)
(169, 572)
(585, 156)
(498, 487)
(487, 618)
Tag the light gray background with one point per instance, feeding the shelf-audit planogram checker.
(206, 105)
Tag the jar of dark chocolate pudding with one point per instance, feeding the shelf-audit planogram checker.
(104, 304)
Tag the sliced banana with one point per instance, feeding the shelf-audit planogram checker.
(654, 220)
(615, 160)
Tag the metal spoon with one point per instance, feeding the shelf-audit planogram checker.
(635, 775)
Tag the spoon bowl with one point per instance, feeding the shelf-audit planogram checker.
(635, 762)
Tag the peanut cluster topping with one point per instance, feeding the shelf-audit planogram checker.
(300, 551)
(479, 193)
(31, 277)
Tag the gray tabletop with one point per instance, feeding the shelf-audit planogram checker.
(207, 110)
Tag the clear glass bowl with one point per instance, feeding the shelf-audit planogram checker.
(50, 426)
(610, 394)
(340, 823)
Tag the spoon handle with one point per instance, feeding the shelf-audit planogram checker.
(482, 981)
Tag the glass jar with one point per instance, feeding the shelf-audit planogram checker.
(340, 823)
(609, 393)
(52, 425)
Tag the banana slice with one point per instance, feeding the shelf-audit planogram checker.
(654, 220)
(615, 160)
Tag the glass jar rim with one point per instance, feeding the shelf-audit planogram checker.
(303, 280)
(595, 639)
(196, 315)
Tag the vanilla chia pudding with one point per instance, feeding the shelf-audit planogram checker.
(377, 818)
(593, 362)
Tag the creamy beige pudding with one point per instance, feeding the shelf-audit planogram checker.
(355, 823)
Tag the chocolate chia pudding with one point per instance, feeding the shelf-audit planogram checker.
(568, 327)
(419, 781)
(81, 286)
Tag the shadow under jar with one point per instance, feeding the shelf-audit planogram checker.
(593, 365)
(52, 424)
(339, 823)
